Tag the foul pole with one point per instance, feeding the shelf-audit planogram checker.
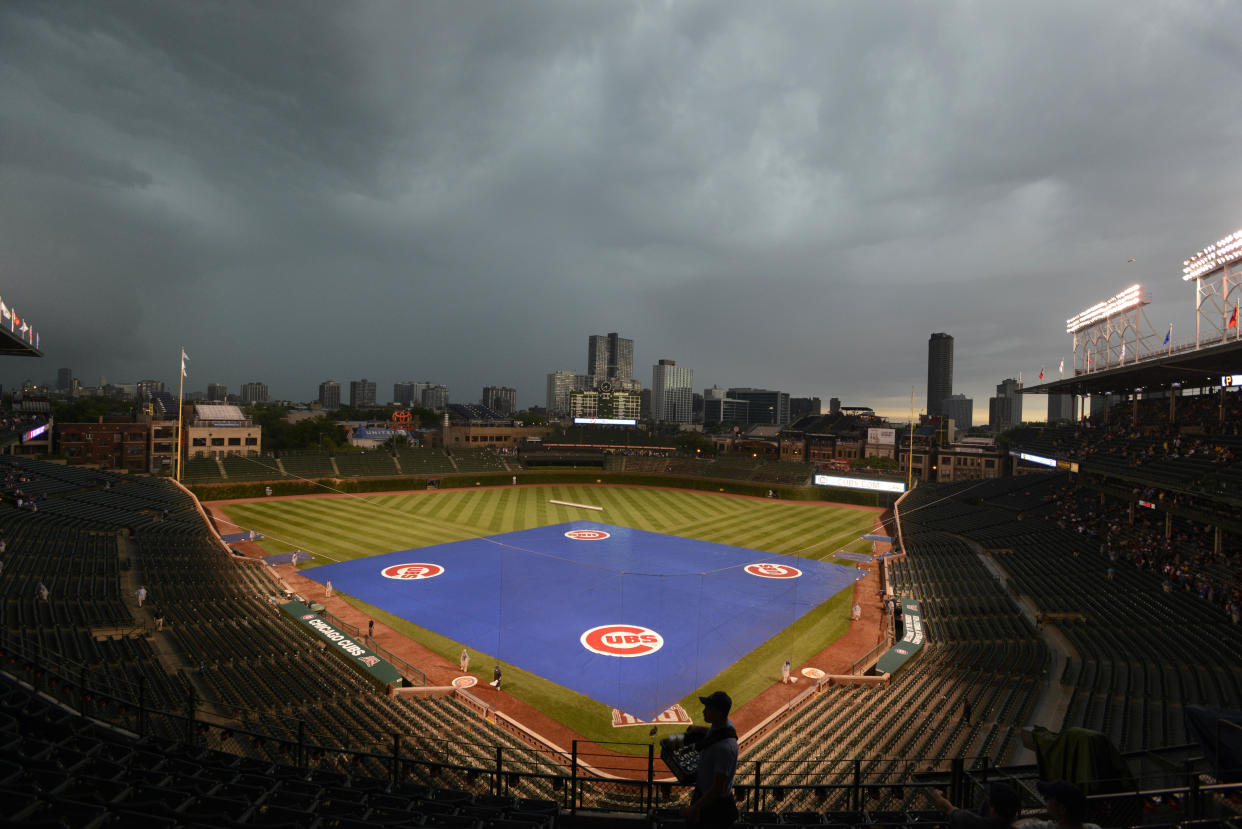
(180, 396)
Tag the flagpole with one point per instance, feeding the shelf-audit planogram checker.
(180, 396)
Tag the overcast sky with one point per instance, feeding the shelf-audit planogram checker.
(789, 195)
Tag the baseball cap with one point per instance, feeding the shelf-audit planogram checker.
(717, 699)
(1067, 794)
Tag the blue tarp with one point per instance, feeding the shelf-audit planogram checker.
(535, 598)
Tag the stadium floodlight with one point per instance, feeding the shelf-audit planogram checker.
(1131, 297)
(1225, 251)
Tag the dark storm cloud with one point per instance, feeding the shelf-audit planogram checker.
(784, 194)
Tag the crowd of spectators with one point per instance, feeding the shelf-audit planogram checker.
(1206, 427)
(1185, 559)
(1188, 465)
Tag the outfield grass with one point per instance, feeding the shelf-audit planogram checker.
(339, 529)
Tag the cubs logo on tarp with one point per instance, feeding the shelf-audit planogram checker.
(369, 661)
(419, 570)
(773, 571)
(308, 617)
(587, 535)
(465, 681)
(621, 640)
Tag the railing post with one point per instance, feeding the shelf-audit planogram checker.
(758, 801)
(957, 768)
(857, 796)
(650, 776)
(189, 717)
(499, 772)
(396, 757)
(301, 757)
(142, 706)
(573, 777)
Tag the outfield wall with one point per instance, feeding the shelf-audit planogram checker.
(226, 492)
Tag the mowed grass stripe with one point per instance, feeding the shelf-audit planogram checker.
(370, 524)
(792, 533)
(310, 524)
(306, 525)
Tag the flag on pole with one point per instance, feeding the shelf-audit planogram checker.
(1063, 367)
(1041, 372)
(183, 359)
(1233, 320)
(1168, 335)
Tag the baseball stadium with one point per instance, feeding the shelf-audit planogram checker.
(462, 637)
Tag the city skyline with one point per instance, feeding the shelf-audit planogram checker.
(781, 195)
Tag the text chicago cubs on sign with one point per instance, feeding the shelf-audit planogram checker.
(622, 640)
(588, 535)
(419, 570)
(773, 571)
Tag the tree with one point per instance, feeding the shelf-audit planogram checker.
(530, 419)
(694, 443)
(90, 409)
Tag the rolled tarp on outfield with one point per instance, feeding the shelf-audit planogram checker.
(343, 645)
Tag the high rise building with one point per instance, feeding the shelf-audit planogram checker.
(766, 406)
(253, 393)
(672, 392)
(610, 357)
(1060, 407)
(146, 388)
(410, 393)
(330, 395)
(560, 385)
(939, 372)
(215, 391)
(500, 399)
(834, 405)
(960, 409)
(802, 406)
(403, 393)
(64, 379)
(435, 397)
(362, 393)
(725, 410)
(1005, 409)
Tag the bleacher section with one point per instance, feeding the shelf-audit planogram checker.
(201, 471)
(366, 464)
(478, 460)
(238, 468)
(424, 462)
(474, 412)
(1141, 653)
(307, 463)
